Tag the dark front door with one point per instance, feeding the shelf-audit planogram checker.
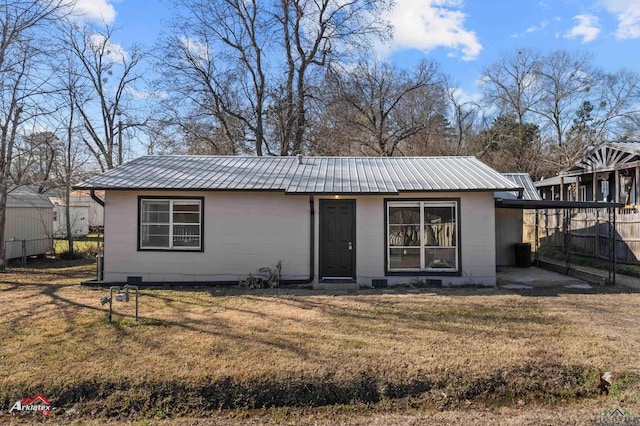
(337, 239)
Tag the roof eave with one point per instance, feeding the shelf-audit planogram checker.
(551, 204)
(352, 193)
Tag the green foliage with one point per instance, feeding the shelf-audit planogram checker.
(625, 381)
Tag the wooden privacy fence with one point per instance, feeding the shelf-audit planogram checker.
(589, 231)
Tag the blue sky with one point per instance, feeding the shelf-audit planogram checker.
(462, 36)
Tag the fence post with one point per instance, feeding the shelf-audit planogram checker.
(597, 236)
(24, 253)
(537, 237)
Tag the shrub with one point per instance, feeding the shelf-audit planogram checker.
(67, 255)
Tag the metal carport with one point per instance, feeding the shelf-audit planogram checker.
(568, 207)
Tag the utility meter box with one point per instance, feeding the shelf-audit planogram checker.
(122, 297)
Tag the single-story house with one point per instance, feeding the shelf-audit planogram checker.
(372, 221)
(510, 222)
(29, 223)
(608, 172)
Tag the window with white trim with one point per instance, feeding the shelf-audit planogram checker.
(422, 236)
(583, 193)
(170, 224)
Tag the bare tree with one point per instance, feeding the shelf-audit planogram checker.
(22, 22)
(615, 103)
(102, 94)
(244, 71)
(71, 157)
(511, 83)
(313, 34)
(384, 107)
(214, 67)
(564, 82)
(463, 117)
(34, 160)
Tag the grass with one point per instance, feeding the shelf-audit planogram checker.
(301, 356)
(85, 246)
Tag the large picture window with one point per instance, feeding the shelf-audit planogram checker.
(422, 236)
(170, 224)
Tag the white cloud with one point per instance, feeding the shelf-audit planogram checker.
(538, 27)
(429, 24)
(114, 52)
(628, 12)
(146, 94)
(587, 28)
(195, 48)
(532, 29)
(99, 10)
(464, 97)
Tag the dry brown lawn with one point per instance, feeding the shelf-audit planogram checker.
(410, 356)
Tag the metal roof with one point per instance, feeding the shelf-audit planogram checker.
(25, 197)
(521, 179)
(306, 175)
(553, 181)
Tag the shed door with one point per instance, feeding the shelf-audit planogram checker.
(337, 239)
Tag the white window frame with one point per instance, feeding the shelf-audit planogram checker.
(583, 193)
(172, 202)
(422, 204)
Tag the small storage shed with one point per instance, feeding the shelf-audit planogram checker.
(79, 218)
(29, 224)
(95, 210)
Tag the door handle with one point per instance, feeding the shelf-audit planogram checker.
(350, 246)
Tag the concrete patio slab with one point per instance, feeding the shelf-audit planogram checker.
(527, 278)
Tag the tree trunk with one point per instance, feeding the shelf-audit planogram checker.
(67, 213)
(3, 220)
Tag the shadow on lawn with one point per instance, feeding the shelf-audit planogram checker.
(368, 308)
(68, 309)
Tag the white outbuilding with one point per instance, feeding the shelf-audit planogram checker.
(29, 224)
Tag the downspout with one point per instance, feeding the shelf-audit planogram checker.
(100, 256)
(312, 246)
(95, 198)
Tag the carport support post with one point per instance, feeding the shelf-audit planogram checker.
(612, 246)
(596, 234)
(537, 237)
(636, 182)
(567, 239)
